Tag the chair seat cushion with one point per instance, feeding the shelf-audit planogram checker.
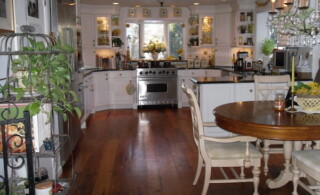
(235, 150)
(308, 158)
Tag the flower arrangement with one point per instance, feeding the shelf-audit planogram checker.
(308, 96)
(180, 51)
(154, 46)
(307, 89)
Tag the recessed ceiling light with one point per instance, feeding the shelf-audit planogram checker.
(223, 0)
(137, 5)
(115, 3)
(173, 5)
(196, 3)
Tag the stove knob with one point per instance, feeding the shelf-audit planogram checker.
(146, 72)
(172, 72)
(167, 72)
(163, 71)
(160, 72)
(150, 71)
(141, 73)
(154, 72)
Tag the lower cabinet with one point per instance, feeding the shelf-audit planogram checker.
(119, 82)
(110, 90)
(213, 95)
(101, 91)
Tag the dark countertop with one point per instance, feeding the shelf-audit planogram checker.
(226, 79)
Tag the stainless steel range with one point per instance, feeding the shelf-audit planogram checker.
(157, 86)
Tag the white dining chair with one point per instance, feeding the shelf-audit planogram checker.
(307, 162)
(222, 152)
(265, 89)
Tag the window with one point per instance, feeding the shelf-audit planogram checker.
(169, 32)
(175, 39)
(133, 39)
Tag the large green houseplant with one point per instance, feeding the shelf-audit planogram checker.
(47, 79)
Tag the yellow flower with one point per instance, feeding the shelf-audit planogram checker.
(311, 88)
(154, 46)
(180, 51)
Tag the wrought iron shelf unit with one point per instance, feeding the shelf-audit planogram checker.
(12, 46)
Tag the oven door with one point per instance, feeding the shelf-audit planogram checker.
(157, 91)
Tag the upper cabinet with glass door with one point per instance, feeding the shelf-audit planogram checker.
(103, 31)
(206, 30)
(194, 31)
(244, 36)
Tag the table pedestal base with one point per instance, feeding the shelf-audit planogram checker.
(286, 174)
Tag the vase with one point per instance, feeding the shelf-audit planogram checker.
(266, 60)
(155, 56)
(19, 75)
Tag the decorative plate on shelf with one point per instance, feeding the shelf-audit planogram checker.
(116, 32)
(193, 20)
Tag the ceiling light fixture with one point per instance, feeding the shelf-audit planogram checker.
(115, 3)
(137, 5)
(196, 3)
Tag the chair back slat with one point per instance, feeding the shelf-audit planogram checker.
(267, 86)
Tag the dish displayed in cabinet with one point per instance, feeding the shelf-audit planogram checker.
(116, 32)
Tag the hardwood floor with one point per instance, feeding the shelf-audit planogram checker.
(149, 151)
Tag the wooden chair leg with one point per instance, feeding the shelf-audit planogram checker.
(256, 173)
(206, 179)
(199, 167)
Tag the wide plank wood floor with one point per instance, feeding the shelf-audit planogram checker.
(149, 151)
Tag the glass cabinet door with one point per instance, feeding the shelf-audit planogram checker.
(103, 31)
(206, 30)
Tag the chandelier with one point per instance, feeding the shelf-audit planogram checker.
(297, 20)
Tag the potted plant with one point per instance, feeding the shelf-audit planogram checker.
(47, 81)
(267, 47)
(116, 42)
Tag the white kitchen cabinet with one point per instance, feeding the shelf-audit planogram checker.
(88, 30)
(211, 96)
(89, 57)
(88, 91)
(222, 30)
(118, 96)
(184, 77)
(215, 94)
(101, 91)
(244, 92)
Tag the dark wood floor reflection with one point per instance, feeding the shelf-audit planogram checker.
(149, 151)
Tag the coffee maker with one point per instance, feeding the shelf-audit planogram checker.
(239, 65)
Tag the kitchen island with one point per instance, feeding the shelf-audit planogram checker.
(212, 92)
(215, 91)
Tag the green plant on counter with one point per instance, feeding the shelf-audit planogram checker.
(116, 42)
(47, 79)
(267, 46)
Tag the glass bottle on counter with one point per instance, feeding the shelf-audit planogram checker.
(128, 53)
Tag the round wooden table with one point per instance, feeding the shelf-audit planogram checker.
(259, 119)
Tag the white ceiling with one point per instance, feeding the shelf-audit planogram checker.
(156, 3)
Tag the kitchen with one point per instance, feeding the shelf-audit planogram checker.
(109, 85)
